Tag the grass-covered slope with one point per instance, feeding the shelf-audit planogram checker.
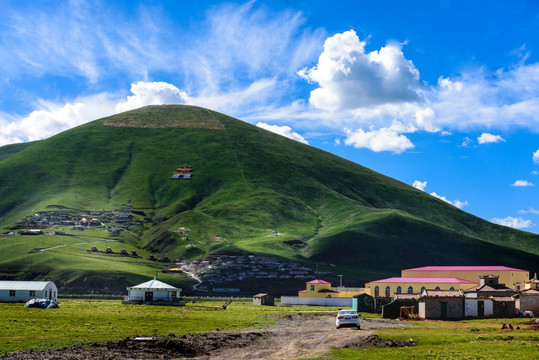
(247, 184)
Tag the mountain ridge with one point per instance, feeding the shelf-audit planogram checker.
(247, 182)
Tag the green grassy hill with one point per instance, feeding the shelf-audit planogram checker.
(247, 184)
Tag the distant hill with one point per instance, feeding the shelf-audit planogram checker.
(251, 191)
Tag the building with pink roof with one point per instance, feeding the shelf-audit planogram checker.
(511, 277)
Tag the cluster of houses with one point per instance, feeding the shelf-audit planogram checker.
(59, 221)
(231, 268)
(435, 292)
(431, 292)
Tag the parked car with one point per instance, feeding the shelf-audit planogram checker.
(347, 318)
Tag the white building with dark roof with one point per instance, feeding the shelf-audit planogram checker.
(22, 291)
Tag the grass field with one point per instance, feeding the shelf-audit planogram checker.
(83, 321)
(472, 339)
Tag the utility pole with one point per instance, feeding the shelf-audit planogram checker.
(340, 281)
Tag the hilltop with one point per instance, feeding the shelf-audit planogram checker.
(251, 192)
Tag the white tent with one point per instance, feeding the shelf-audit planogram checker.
(153, 291)
(22, 291)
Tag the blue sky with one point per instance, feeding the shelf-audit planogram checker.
(441, 95)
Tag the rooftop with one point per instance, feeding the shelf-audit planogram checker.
(442, 293)
(23, 285)
(154, 284)
(439, 280)
(317, 281)
(464, 268)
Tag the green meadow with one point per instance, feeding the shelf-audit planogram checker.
(471, 339)
(87, 321)
(79, 322)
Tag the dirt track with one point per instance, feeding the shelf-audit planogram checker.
(293, 337)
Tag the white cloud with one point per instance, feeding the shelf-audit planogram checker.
(384, 139)
(466, 142)
(517, 223)
(529, 211)
(535, 172)
(53, 118)
(350, 78)
(487, 138)
(457, 203)
(495, 100)
(152, 93)
(283, 130)
(420, 185)
(352, 83)
(82, 39)
(522, 183)
(536, 157)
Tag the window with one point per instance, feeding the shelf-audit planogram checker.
(376, 291)
(410, 290)
(32, 293)
(11, 292)
(451, 288)
(388, 291)
(437, 288)
(312, 287)
(423, 289)
(399, 290)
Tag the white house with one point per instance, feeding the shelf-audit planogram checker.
(478, 307)
(153, 292)
(22, 291)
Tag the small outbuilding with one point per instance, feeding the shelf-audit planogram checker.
(22, 291)
(441, 304)
(363, 302)
(263, 299)
(154, 292)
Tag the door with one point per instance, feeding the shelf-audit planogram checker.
(481, 309)
(148, 296)
(443, 310)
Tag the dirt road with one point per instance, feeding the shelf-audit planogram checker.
(293, 337)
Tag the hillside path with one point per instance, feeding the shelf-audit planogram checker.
(81, 243)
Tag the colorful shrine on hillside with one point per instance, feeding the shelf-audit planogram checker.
(183, 172)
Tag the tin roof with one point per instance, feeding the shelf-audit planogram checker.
(24, 285)
(261, 295)
(154, 284)
(438, 280)
(465, 268)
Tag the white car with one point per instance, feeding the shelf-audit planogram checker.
(347, 318)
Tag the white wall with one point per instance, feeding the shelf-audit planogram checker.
(470, 309)
(135, 294)
(295, 300)
(49, 292)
